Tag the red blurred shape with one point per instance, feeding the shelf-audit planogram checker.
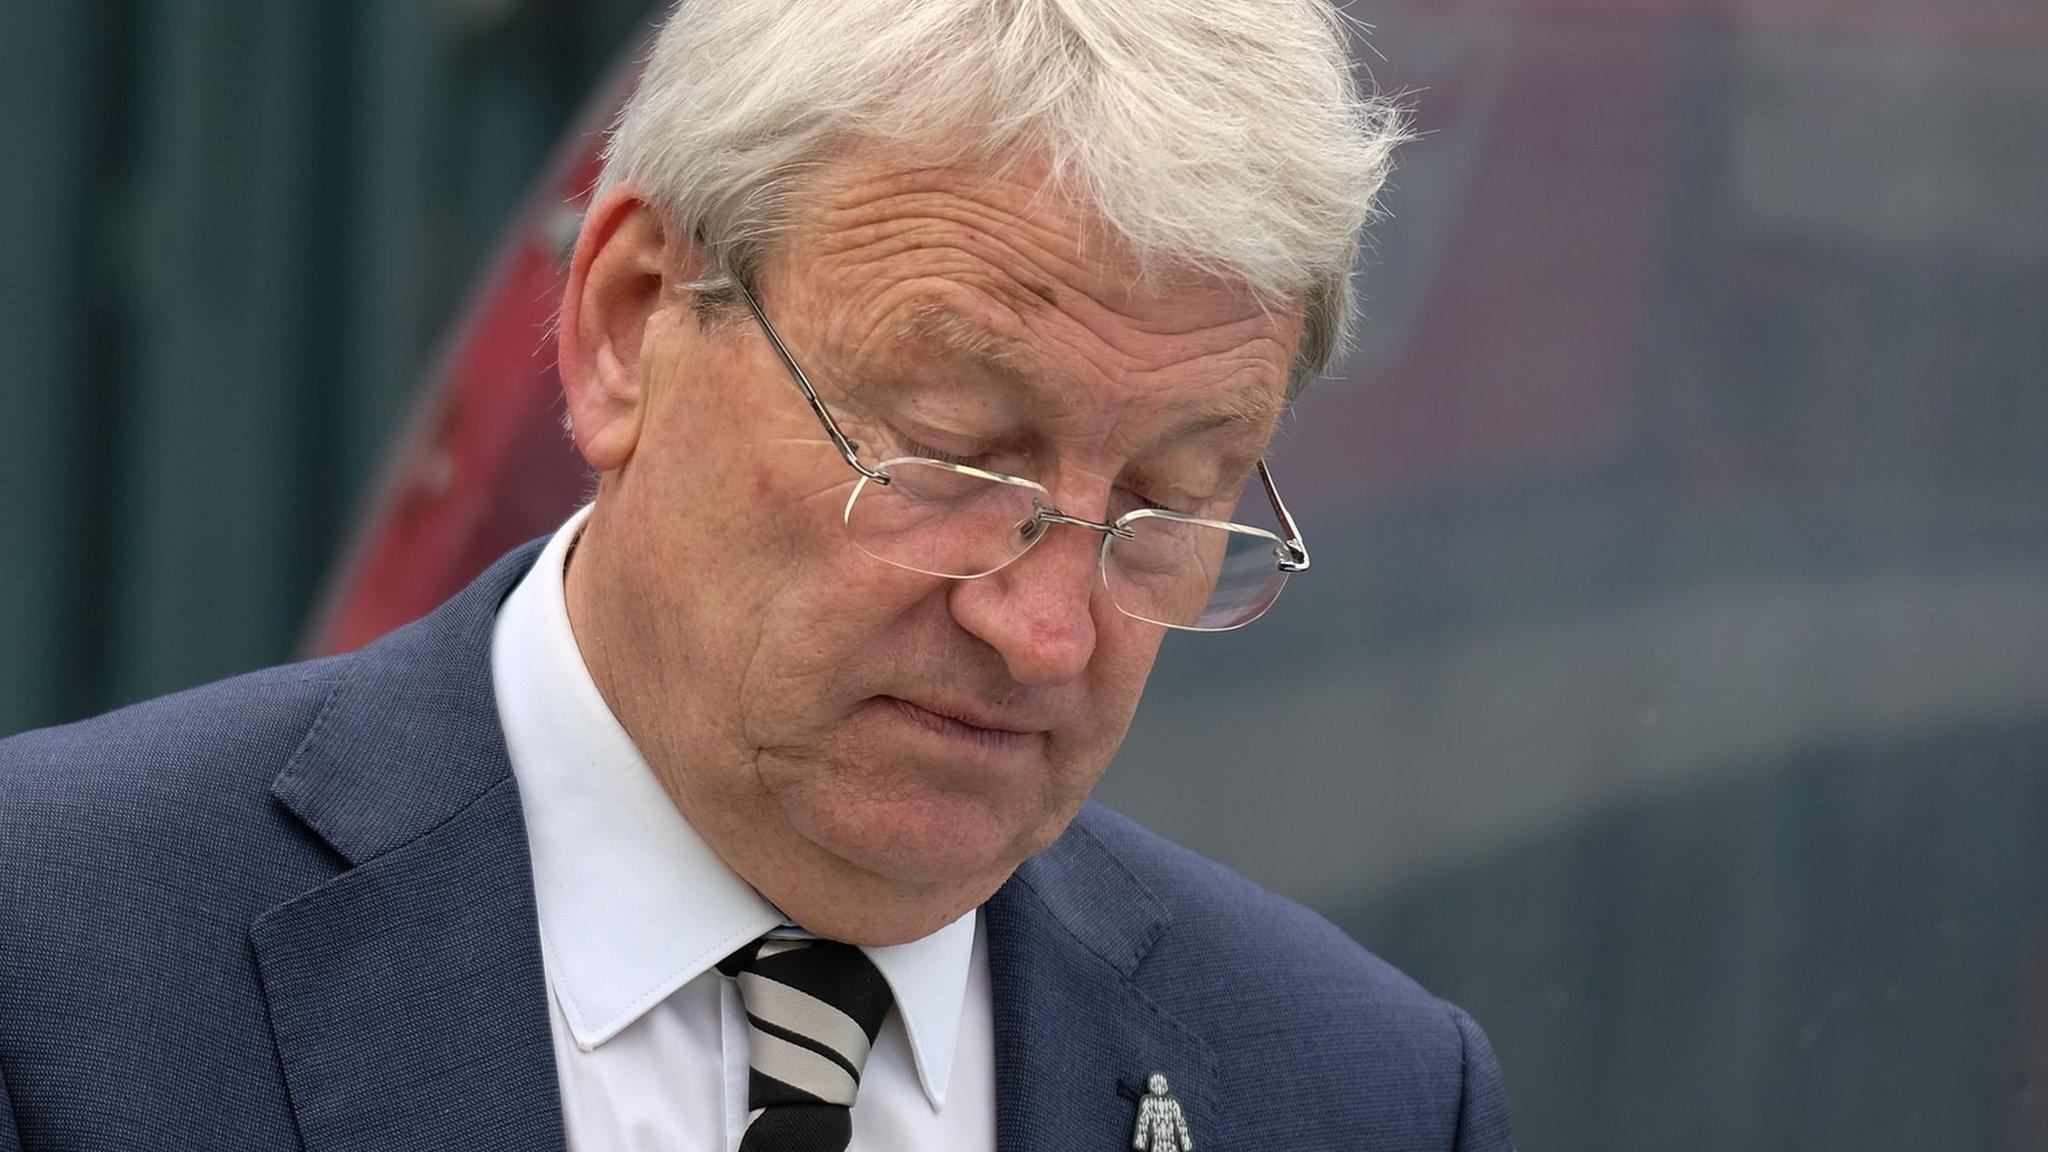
(484, 464)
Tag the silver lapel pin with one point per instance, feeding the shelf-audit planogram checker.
(1161, 1127)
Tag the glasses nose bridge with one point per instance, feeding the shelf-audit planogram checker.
(1051, 515)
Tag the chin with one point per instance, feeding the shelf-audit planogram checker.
(929, 837)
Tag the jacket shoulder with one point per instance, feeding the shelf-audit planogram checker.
(167, 796)
(1238, 926)
(136, 848)
(202, 737)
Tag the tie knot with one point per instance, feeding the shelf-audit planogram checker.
(815, 1008)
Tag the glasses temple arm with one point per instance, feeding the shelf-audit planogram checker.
(846, 447)
(1297, 552)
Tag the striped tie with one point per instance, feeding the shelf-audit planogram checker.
(815, 1007)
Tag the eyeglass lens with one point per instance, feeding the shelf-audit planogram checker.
(944, 519)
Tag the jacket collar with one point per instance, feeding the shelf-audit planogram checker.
(411, 736)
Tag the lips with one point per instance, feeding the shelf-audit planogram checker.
(973, 726)
(972, 717)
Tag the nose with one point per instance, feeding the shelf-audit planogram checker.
(1037, 612)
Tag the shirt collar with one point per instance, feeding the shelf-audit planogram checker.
(633, 903)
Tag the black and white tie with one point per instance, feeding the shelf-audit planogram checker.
(814, 1008)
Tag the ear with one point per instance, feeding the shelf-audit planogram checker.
(615, 286)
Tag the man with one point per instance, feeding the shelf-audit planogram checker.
(924, 350)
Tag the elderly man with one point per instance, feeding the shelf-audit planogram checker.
(927, 352)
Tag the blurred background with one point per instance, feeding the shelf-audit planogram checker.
(1671, 688)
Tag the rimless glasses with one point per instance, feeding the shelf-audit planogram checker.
(944, 518)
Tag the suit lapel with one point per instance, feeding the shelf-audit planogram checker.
(1075, 1037)
(406, 995)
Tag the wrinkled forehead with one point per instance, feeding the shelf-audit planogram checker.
(1022, 377)
(990, 270)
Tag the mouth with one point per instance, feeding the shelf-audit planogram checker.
(966, 726)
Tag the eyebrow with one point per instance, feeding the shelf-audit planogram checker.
(935, 323)
(1252, 404)
(1008, 359)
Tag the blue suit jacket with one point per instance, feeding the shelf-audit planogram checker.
(295, 909)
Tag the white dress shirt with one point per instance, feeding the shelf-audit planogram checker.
(635, 909)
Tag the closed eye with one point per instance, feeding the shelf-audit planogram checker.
(930, 453)
(1132, 501)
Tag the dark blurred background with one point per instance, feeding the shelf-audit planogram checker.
(232, 233)
(1671, 688)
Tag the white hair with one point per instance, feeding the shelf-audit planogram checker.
(1220, 136)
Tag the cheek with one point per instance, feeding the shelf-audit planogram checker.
(833, 619)
(746, 566)
(1125, 650)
